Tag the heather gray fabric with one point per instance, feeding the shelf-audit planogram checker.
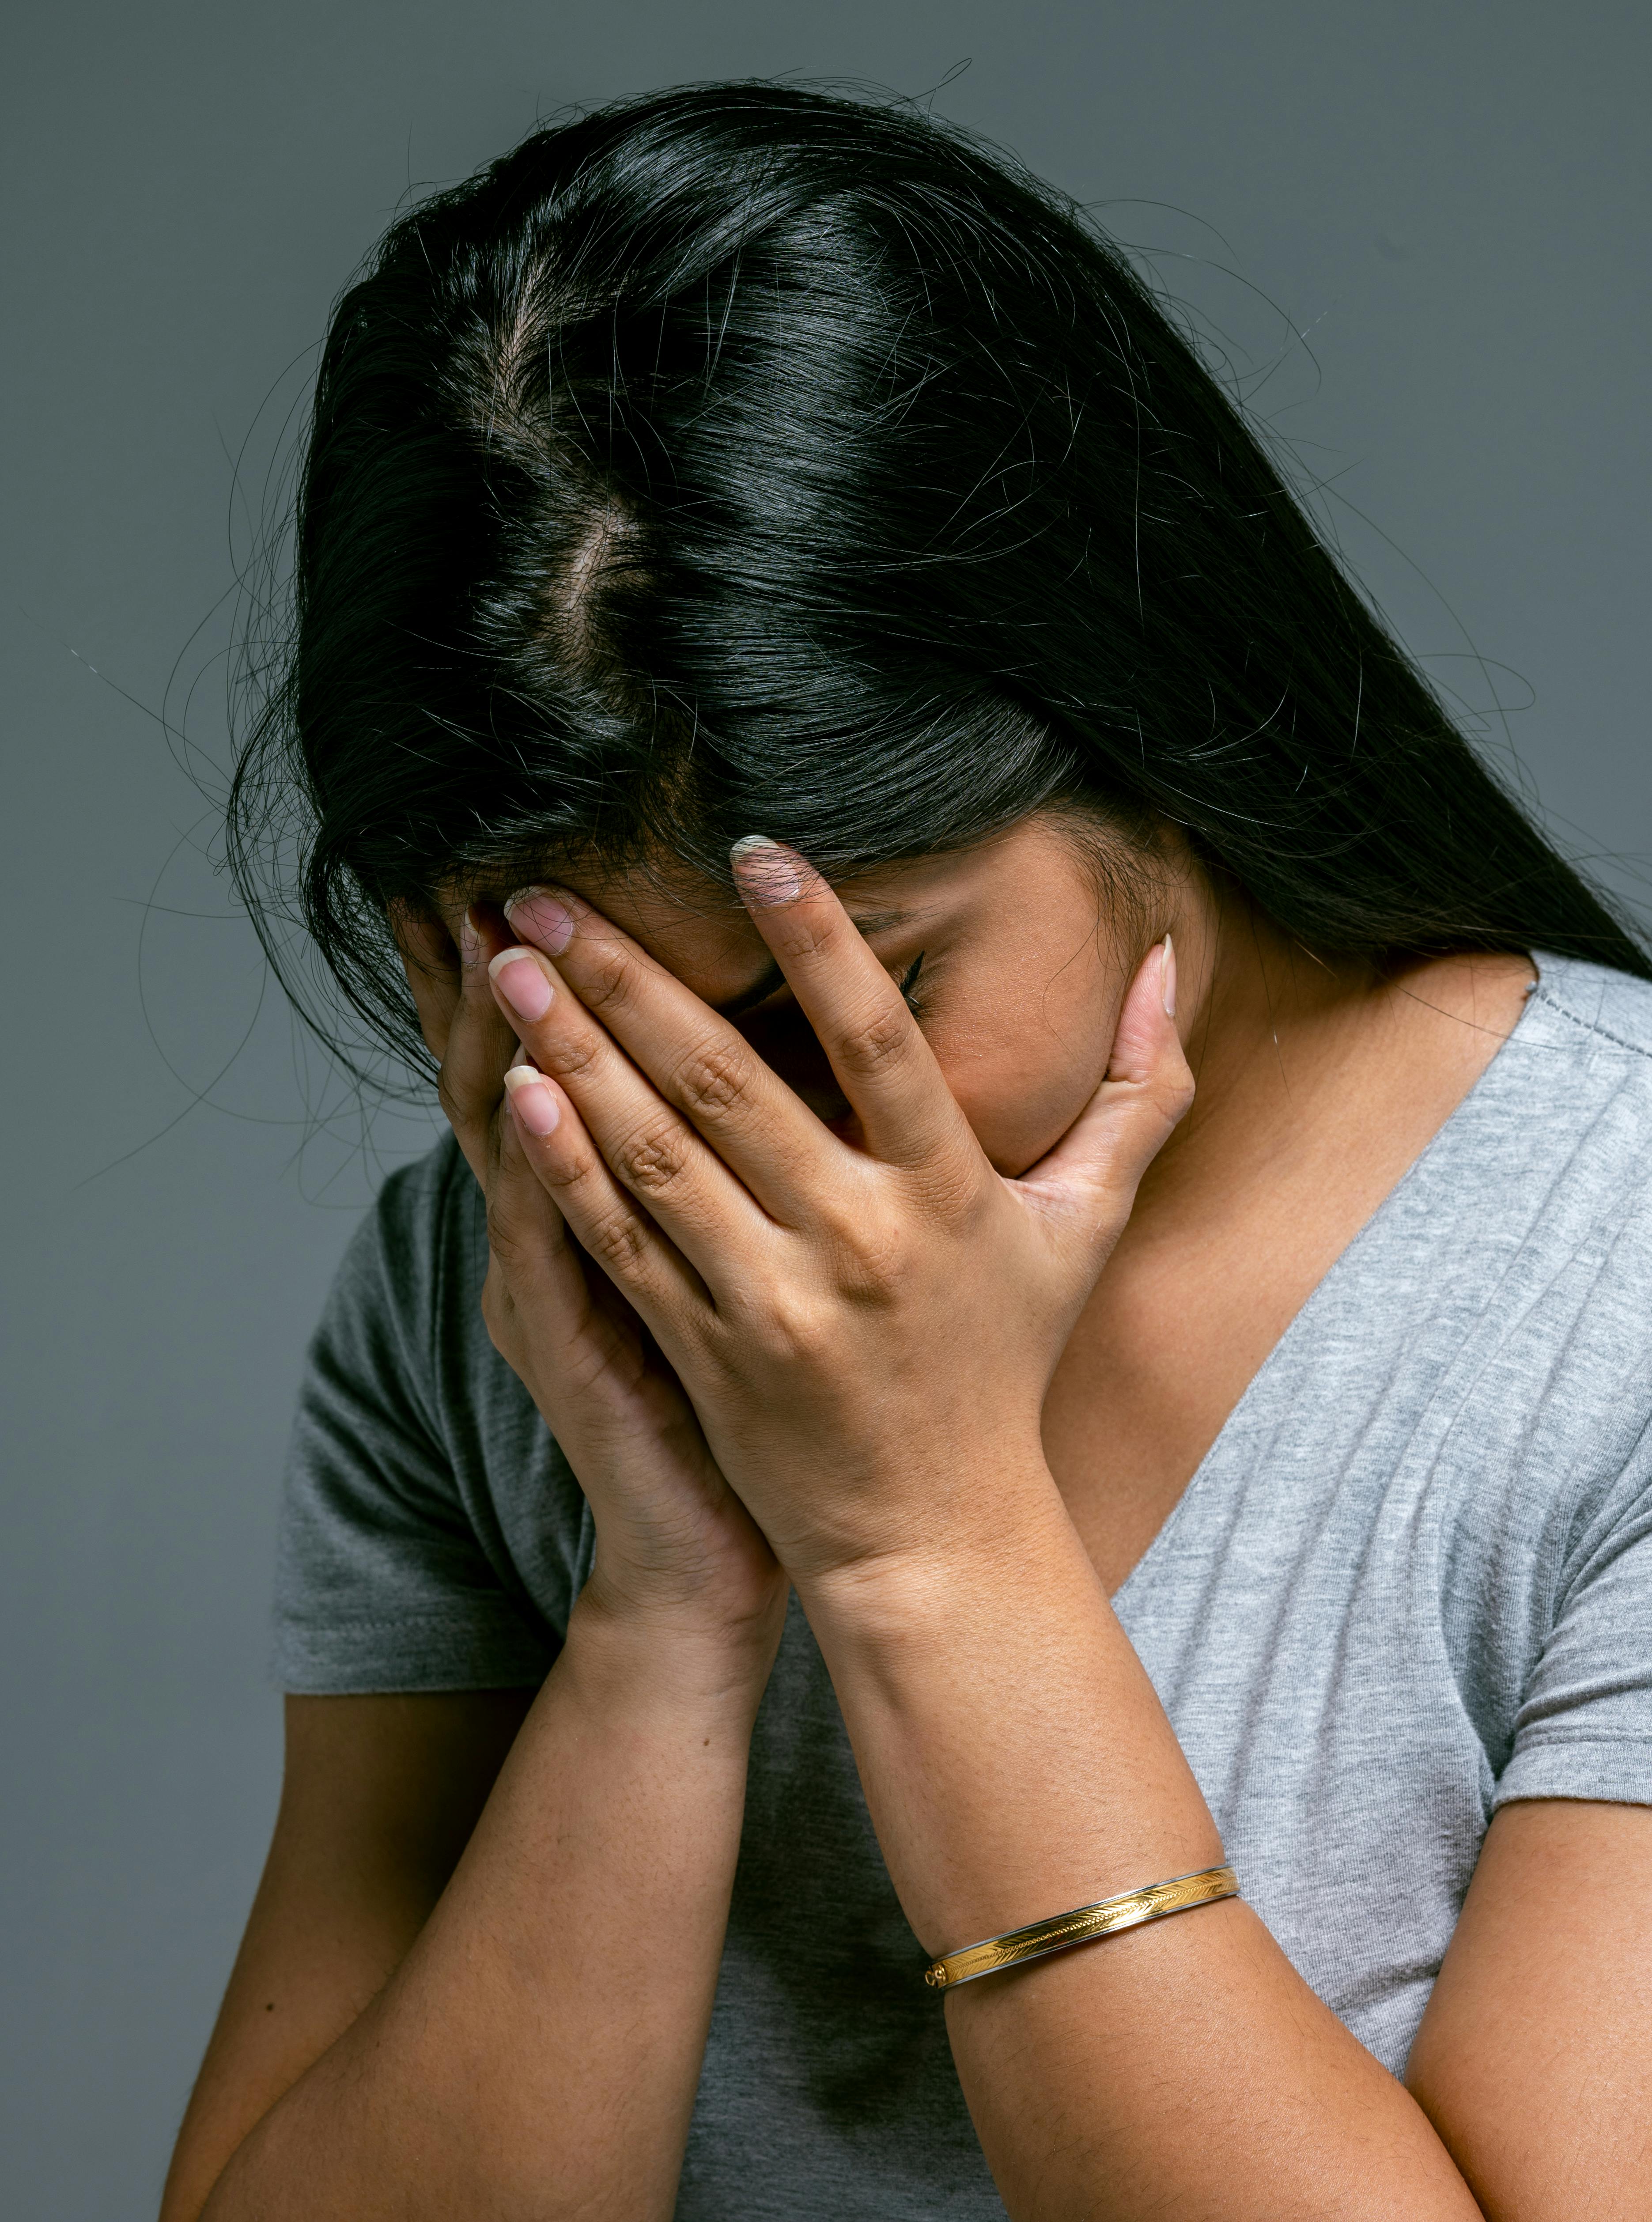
(1412, 1580)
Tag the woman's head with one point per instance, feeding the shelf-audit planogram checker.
(743, 458)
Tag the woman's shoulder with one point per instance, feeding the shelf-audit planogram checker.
(407, 1289)
(1602, 1010)
(414, 1202)
(1545, 1191)
(1542, 1275)
(431, 1533)
(426, 1227)
(1557, 1136)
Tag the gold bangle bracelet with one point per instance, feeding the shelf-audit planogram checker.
(1128, 1912)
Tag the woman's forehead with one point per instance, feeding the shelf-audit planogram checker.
(702, 933)
(699, 929)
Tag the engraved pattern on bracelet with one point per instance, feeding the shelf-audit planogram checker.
(1128, 1910)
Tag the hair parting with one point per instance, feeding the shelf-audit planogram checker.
(747, 455)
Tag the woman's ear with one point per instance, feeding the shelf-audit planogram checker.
(421, 934)
(430, 958)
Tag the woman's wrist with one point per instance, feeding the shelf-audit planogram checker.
(1016, 1758)
(900, 1594)
(659, 1647)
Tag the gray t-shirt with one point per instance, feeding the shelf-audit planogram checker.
(1411, 1581)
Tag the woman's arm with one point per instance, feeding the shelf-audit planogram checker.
(535, 2048)
(379, 1798)
(1017, 1763)
(1185, 2068)
(867, 1341)
(1534, 2060)
(523, 2039)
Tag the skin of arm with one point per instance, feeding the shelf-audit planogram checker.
(378, 1797)
(459, 1999)
(1534, 2061)
(535, 2050)
(866, 1334)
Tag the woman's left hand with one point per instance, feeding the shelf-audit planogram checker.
(866, 1334)
(867, 1337)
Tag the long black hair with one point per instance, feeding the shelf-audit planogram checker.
(744, 458)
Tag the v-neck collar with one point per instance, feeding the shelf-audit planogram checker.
(1441, 1144)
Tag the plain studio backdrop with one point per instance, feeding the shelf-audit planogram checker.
(1416, 228)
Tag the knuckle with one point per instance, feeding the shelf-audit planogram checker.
(868, 1251)
(952, 1188)
(504, 1233)
(607, 983)
(870, 1043)
(875, 1267)
(714, 1080)
(1178, 1096)
(652, 1159)
(567, 1179)
(457, 1100)
(567, 1057)
(799, 935)
(795, 1327)
(618, 1242)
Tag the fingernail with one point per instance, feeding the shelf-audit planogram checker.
(521, 982)
(1168, 978)
(470, 941)
(537, 916)
(767, 874)
(534, 1103)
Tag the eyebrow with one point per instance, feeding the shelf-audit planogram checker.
(771, 977)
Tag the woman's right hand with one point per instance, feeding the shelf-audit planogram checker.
(674, 1543)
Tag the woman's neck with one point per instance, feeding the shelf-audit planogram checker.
(1302, 1062)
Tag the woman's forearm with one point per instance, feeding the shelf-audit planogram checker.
(1017, 1763)
(537, 2052)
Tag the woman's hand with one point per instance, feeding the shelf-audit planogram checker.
(866, 1334)
(672, 1538)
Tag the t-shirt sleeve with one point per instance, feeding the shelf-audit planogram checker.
(383, 1582)
(1585, 1728)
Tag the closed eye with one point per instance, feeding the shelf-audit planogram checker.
(767, 994)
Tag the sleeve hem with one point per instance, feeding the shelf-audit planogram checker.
(1614, 1770)
(423, 1653)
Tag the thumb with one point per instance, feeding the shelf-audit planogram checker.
(1088, 1182)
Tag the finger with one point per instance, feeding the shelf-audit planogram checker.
(875, 1045)
(1087, 1183)
(480, 1044)
(697, 1060)
(538, 1263)
(550, 1315)
(606, 1220)
(648, 1145)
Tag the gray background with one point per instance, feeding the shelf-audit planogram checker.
(1448, 200)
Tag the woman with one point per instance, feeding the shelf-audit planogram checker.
(846, 1455)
